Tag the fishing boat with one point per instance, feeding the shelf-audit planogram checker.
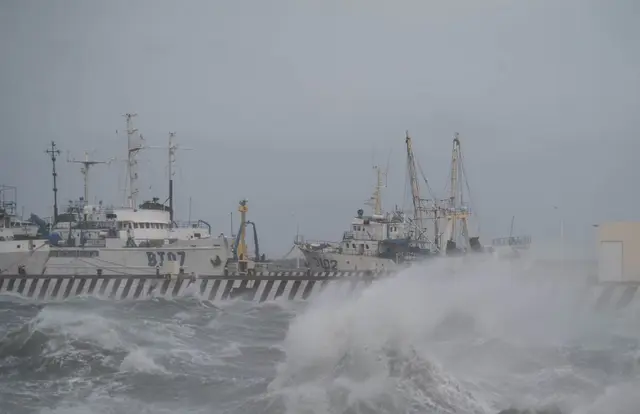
(137, 238)
(393, 240)
(22, 229)
(21, 248)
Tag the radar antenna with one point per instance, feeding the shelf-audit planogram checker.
(86, 165)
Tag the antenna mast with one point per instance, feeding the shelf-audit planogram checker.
(54, 152)
(376, 199)
(86, 165)
(172, 159)
(173, 147)
(135, 142)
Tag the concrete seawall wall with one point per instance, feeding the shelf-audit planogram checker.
(261, 287)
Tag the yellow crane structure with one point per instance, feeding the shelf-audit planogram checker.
(241, 247)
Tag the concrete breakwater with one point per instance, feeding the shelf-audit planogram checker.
(259, 287)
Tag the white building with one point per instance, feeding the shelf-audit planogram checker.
(619, 252)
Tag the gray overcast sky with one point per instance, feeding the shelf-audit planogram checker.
(285, 102)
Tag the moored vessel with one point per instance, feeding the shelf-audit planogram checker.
(137, 238)
(393, 240)
(22, 247)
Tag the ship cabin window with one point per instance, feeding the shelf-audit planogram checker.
(146, 225)
(366, 246)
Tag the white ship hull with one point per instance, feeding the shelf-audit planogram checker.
(319, 261)
(37, 258)
(30, 254)
(208, 260)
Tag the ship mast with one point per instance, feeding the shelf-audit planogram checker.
(54, 152)
(135, 142)
(376, 199)
(415, 188)
(172, 159)
(86, 165)
(172, 148)
(456, 208)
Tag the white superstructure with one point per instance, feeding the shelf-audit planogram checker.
(149, 225)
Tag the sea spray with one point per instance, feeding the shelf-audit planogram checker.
(474, 336)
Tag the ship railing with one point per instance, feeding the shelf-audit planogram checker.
(190, 225)
(350, 235)
(369, 253)
(87, 243)
(318, 244)
(95, 225)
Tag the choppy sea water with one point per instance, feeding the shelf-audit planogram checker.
(481, 340)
